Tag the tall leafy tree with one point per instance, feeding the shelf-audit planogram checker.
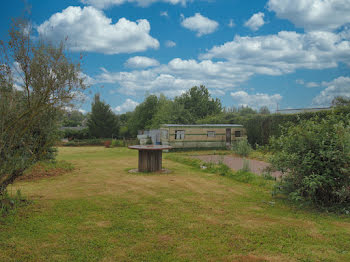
(199, 103)
(142, 116)
(73, 118)
(170, 112)
(37, 80)
(102, 122)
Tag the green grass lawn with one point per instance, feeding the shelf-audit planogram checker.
(100, 212)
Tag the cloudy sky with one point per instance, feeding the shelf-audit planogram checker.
(294, 53)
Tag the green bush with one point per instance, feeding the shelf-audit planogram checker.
(241, 147)
(118, 143)
(315, 159)
(86, 142)
(73, 134)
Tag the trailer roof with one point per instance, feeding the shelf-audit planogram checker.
(203, 125)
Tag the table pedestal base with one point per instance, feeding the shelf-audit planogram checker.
(150, 160)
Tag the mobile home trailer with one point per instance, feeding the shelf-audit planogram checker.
(201, 136)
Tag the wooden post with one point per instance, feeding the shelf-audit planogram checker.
(150, 160)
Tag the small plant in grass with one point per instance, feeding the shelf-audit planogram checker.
(107, 144)
(242, 147)
(246, 165)
(9, 204)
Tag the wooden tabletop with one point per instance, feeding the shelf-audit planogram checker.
(150, 147)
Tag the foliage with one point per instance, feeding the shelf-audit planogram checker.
(341, 101)
(170, 112)
(314, 155)
(102, 122)
(264, 110)
(9, 204)
(37, 80)
(86, 142)
(220, 169)
(246, 165)
(117, 143)
(241, 147)
(73, 118)
(73, 134)
(141, 118)
(198, 102)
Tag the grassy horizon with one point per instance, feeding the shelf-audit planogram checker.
(100, 212)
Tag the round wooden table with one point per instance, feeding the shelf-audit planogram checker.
(150, 157)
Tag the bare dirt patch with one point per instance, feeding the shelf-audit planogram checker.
(39, 171)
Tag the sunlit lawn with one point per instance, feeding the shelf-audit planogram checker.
(100, 212)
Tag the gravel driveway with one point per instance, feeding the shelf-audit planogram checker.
(236, 163)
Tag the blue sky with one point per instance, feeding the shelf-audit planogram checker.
(294, 53)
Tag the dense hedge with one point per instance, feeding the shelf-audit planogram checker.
(73, 134)
(261, 127)
(100, 142)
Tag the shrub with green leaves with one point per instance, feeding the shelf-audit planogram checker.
(314, 157)
(242, 147)
(117, 143)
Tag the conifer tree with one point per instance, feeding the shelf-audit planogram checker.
(102, 123)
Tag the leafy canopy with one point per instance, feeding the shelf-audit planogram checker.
(37, 80)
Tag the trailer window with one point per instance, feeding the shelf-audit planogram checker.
(237, 133)
(211, 134)
(179, 134)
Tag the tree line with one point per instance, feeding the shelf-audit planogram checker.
(195, 106)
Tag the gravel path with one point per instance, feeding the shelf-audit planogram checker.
(236, 163)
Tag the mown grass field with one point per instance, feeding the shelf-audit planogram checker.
(100, 212)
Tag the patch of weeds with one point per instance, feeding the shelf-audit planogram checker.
(185, 160)
(267, 174)
(9, 203)
(242, 175)
(246, 166)
(241, 147)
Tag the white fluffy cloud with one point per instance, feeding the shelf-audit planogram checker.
(257, 100)
(88, 29)
(102, 4)
(200, 24)
(236, 62)
(170, 43)
(177, 76)
(338, 87)
(307, 84)
(313, 14)
(141, 62)
(256, 21)
(285, 52)
(127, 106)
(311, 84)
